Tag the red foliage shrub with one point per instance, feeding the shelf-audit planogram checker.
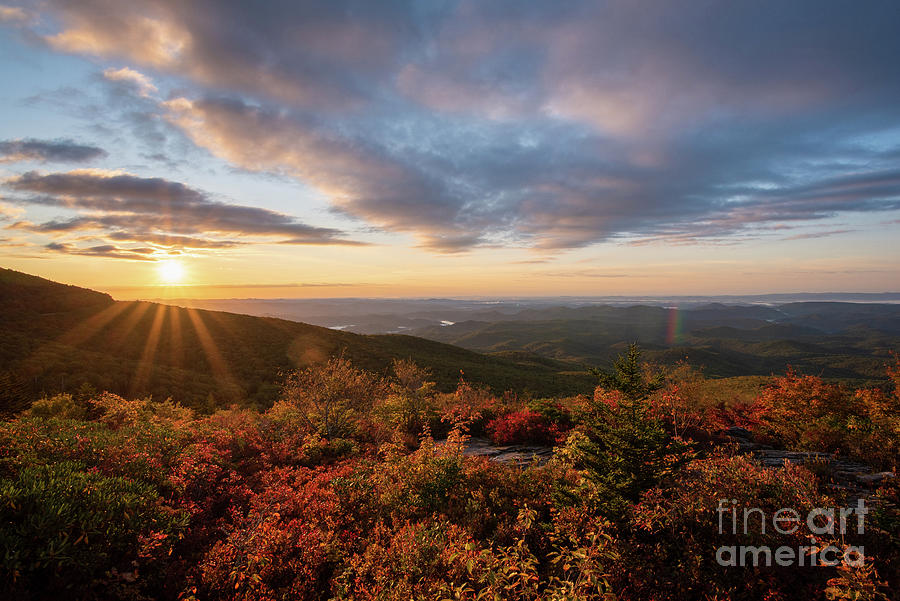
(610, 398)
(742, 415)
(286, 544)
(523, 427)
(468, 406)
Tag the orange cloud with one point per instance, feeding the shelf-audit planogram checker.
(143, 83)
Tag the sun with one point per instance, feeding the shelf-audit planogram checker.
(170, 272)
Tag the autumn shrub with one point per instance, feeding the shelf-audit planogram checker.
(873, 434)
(437, 559)
(284, 547)
(806, 412)
(206, 486)
(696, 408)
(428, 480)
(115, 411)
(250, 441)
(681, 401)
(409, 402)
(63, 406)
(438, 479)
(677, 530)
(142, 452)
(408, 562)
(111, 409)
(340, 491)
(748, 415)
(331, 397)
(523, 427)
(555, 411)
(883, 532)
(681, 412)
(231, 455)
(469, 406)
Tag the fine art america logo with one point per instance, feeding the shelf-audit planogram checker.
(820, 521)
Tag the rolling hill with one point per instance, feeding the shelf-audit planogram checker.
(55, 337)
(839, 340)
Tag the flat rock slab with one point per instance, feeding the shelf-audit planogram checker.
(520, 455)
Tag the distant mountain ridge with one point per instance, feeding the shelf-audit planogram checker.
(837, 340)
(407, 315)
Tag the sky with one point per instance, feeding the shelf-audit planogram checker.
(223, 148)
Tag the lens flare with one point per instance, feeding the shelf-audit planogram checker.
(674, 332)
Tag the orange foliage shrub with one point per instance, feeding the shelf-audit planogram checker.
(806, 412)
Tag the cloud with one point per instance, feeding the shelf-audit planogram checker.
(156, 213)
(813, 235)
(120, 105)
(170, 241)
(103, 250)
(9, 212)
(552, 126)
(13, 14)
(143, 83)
(314, 54)
(588, 273)
(59, 151)
(361, 179)
(552, 189)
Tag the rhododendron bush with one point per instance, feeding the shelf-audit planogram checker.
(356, 487)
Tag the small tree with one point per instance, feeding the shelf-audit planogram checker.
(682, 403)
(410, 404)
(330, 396)
(626, 450)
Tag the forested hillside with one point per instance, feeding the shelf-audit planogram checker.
(56, 338)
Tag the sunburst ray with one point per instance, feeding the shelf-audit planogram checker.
(216, 361)
(145, 364)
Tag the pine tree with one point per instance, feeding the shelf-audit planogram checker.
(627, 451)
